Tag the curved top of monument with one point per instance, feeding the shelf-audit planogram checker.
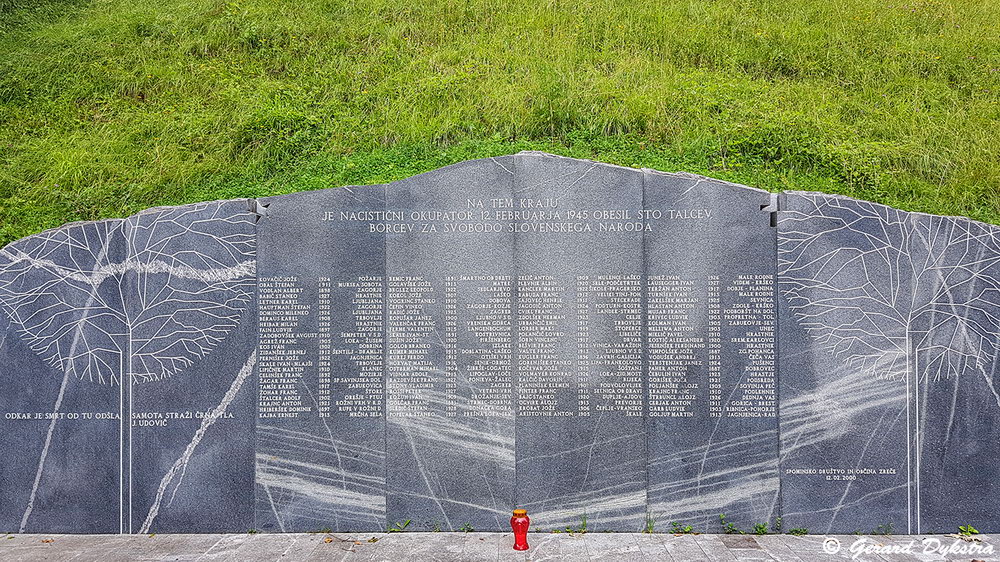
(544, 158)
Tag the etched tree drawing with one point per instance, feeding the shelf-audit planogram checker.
(893, 294)
(147, 295)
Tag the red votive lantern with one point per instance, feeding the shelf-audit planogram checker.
(519, 523)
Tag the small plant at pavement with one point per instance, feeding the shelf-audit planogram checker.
(466, 528)
(728, 527)
(399, 527)
(650, 524)
(798, 531)
(967, 530)
(678, 529)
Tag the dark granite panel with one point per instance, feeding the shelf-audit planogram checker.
(320, 427)
(711, 353)
(580, 432)
(192, 331)
(846, 425)
(450, 423)
(954, 339)
(61, 361)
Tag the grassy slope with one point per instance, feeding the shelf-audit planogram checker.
(110, 106)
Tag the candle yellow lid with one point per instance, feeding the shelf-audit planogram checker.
(520, 512)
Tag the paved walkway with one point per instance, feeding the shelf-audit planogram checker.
(487, 546)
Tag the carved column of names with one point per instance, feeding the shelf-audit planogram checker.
(543, 372)
(410, 383)
(283, 357)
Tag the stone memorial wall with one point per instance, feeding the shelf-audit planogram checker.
(603, 346)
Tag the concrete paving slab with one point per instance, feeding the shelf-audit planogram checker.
(684, 547)
(713, 547)
(613, 546)
(33, 554)
(163, 548)
(811, 547)
(485, 546)
(82, 548)
(335, 547)
(574, 547)
(445, 547)
(226, 548)
(543, 546)
(276, 546)
(745, 547)
(10, 541)
(96, 548)
(778, 549)
(652, 547)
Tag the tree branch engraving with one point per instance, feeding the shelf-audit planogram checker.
(147, 295)
(892, 293)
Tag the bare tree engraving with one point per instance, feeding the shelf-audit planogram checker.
(892, 293)
(147, 295)
(955, 317)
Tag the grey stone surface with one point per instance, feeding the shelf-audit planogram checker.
(145, 327)
(190, 447)
(652, 546)
(683, 547)
(45, 486)
(317, 465)
(613, 349)
(712, 388)
(581, 451)
(889, 356)
(450, 417)
(954, 336)
(836, 415)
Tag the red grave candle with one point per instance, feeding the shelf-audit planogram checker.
(519, 523)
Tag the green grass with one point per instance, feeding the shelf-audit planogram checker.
(111, 106)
